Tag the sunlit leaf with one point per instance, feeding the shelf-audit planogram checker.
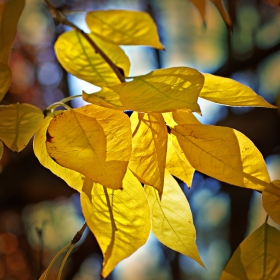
(257, 257)
(229, 92)
(180, 117)
(1, 149)
(271, 203)
(223, 153)
(5, 79)
(149, 144)
(200, 5)
(10, 11)
(18, 123)
(124, 27)
(161, 90)
(92, 140)
(119, 219)
(79, 58)
(223, 12)
(72, 178)
(177, 163)
(172, 221)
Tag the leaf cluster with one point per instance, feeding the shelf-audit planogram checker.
(108, 157)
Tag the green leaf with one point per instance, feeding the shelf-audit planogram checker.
(10, 11)
(172, 221)
(92, 140)
(257, 257)
(226, 91)
(72, 178)
(18, 123)
(123, 27)
(161, 90)
(149, 144)
(79, 58)
(119, 219)
(271, 202)
(223, 153)
(5, 79)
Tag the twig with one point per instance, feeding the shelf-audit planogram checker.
(60, 17)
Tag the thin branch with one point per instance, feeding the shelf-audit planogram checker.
(60, 17)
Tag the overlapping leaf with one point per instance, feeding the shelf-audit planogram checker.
(124, 27)
(229, 92)
(10, 12)
(18, 123)
(5, 79)
(172, 221)
(223, 153)
(257, 257)
(72, 178)
(93, 141)
(119, 219)
(271, 202)
(79, 58)
(162, 90)
(149, 144)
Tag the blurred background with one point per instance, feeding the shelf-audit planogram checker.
(39, 213)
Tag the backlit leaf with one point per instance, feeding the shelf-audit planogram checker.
(1, 149)
(223, 153)
(200, 5)
(223, 12)
(18, 123)
(5, 79)
(119, 219)
(79, 58)
(92, 140)
(271, 203)
(124, 27)
(172, 221)
(257, 257)
(161, 90)
(180, 117)
(10, 11)
(72, 178)
(229, 92)
(177, 163)
(149, 144)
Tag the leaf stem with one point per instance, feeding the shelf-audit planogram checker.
(64, 261)
(60, 17)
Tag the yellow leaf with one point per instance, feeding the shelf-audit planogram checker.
(149, 144)
(93, 141)
(5, 79)
(271, 203)
(161, 90)
(123, 27)
(200, 5)
(257, 257)
(223, 153)
(172, 221)
(71, 177)
(119, 219)
(79, 58)
(229, 92)
(223, 12)
(10, 11)
(180, 117)
(177, 163)
(18, 123)
(1, 149)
